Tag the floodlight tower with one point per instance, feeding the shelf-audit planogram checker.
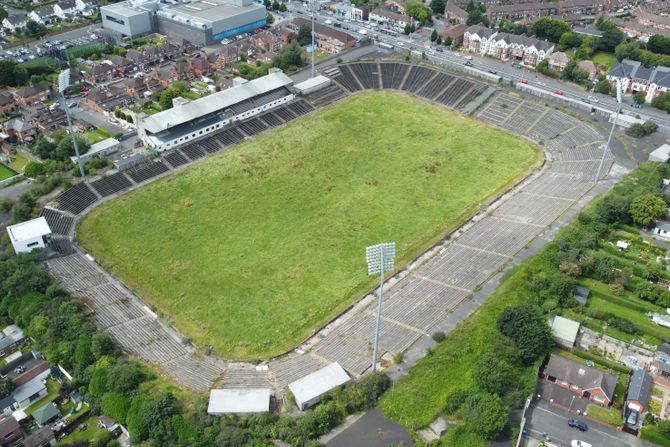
(63, 84)
(380, 259)
(313, 2)
(609, 139)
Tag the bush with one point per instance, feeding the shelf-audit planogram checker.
(455, 400)
(439, 336)
(638, 130)
(485, 413)
(527, 327)
(33, 169)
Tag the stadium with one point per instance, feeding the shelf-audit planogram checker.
(229, 200)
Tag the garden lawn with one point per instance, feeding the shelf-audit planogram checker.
(97, 135)
(253, 250)
(86, 435)
(611, 416)
(652, 434)
(604, 59)
(5, 172)
(19, 161)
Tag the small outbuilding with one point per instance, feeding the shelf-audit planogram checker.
(29, 235)
(45, 414)
(99, 149)
(565, 332)
(239, 401)
(312, 85)
(582, 295)
(660, 155)
(639, 390)
(308, 390)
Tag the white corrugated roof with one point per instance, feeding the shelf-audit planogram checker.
(29, 229)
(253, 400)
(565, 329)
(318, 383)
(312, 82)
(662, 154)
(215, 102)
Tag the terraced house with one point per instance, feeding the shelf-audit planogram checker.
(526, 50)
(581, 380)
(635, 77)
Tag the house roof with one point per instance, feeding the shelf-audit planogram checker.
(481, 31)
(32, 90)
(324, 30)
(239, 401)
(34, 386)
(580, 375)
(317, 383)
(214, 102)
(391, 15)
(663, 348)
(6, 402)
(525, 40)
(565, 329)
(582, 291)
(589, 30)
(41, 437)
(455, 10)
(456, 31)
(662, 225)
(5, 99)
(67, 4)
(8, 426)
(559, 57)
(28, 230)
(45, 413)
(45, 10)
(18, 125)
(16, 20)
(639, 387)
(660, 154)
(587, 66)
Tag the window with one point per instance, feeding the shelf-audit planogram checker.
(33, 244)
(115, 20)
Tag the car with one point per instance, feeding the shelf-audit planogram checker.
(457, 54)
(578, 443)
(401, 44)
(632, 418)
(593, 99)
(468, 64)
(578, 424)
(558, 92)
(524, 81)
(493, 72)
(72, 105)
(468, 57)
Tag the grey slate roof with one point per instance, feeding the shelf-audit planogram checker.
(580, 375)
(481, 31)
(640, 387)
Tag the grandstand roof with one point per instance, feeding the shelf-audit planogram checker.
(239, 401)
(215, 102)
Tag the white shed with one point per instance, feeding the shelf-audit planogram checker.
(312, 84)
(661, 155)
(239, 401)
(101, 148)
(308, 390)
(29, 235)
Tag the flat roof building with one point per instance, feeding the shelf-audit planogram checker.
(201, 22)
(309, 389)
(29, 235)
(193, 120)
(565, 332)
(239, 401)
(100, 149)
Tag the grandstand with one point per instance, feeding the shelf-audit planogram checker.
(435, 294)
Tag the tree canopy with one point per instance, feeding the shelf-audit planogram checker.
(492, 374)
(550, 29)
(528, 329)
(304, 35)
(645, 209)
(485, 413)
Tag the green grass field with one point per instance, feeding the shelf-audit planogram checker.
(5, 172)
(604, 59)
(252, 250)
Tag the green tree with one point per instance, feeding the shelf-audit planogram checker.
(645, 209)
(603, 86)
(275, 5)
(3, 14)
(438, 6)
(448, 41)
(304, 35)
(7, 72)
(659, 44)
(115, 405)
(97, 386)
(570, 40)
(492, 374)
(639, 97)
(408, 29)
(434, 36)
(101, 344)
(282, 7)
(65, 148)
(485, 413)
(528, 329)
(167, 96)
(476, 14)
(610, 39)
(550, 29)
(662, 102)
(21, 75)
(418, 11)
(101, 438)
(35, 29)
(8, 385)
(290, 57)
(82, 351)
(267, 4)
(33, 169)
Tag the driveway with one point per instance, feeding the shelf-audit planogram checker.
(542, 418)
(97, 119)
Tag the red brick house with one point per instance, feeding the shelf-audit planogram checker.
(10, 432)
(32, 94)
(456, 33)
(198, 67)
(99, 74)
(581, 380)
(7, 104)
(286, 36)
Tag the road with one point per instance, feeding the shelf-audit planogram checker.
(543, 418)
(420, 42)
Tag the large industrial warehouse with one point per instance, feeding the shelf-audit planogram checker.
(187, 122)
(202, 22)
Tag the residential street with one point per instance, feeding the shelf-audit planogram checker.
(543, 418)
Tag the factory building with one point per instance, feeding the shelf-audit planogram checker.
(188, 121)
(201, 22)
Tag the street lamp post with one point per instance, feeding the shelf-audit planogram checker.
(63, 84)
(609, 139)
(571, 401)
(380, 259)
(313, 47)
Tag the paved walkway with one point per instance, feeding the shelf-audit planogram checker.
(434, 293)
